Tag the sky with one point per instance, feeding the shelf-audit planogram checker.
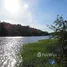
(33, 13)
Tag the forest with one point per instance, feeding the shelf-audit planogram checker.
(7, 29)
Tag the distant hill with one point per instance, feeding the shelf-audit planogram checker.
(7, 29)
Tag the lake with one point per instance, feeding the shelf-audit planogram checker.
(10, 46)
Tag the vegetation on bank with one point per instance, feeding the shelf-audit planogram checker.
(60, 33)
(7, 29)
(36, 54)
(30, 51)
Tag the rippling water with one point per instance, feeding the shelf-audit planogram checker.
(9, 48)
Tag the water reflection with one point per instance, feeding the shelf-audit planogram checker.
(9, 48)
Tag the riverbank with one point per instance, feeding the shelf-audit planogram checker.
(39, 54)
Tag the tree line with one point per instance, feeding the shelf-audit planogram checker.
(7, 29)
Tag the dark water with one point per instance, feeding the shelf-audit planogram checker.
(10, 46)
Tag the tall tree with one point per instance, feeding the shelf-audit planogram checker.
(60, 29)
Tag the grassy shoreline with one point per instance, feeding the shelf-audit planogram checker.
(36, 54)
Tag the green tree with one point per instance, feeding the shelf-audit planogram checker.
(60, 29)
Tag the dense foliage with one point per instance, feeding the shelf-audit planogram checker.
(60, 33)
(7, 29)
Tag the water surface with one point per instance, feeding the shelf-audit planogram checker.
(10, 46)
